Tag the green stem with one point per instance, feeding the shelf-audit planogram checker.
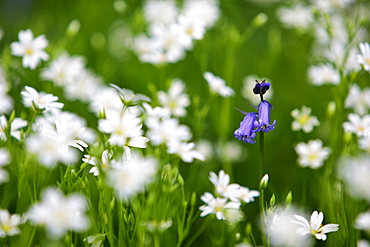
(261, 157)
(200, 230)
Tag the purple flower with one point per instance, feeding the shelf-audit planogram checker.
(245, 132)
(261, 88)
(264, 117)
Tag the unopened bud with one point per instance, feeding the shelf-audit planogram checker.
(264, 181)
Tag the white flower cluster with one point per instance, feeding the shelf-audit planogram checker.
(228, 198)
(172, 31)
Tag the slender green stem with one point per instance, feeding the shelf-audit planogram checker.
(261, 157)
(200, 230)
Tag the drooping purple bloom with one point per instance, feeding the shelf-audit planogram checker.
(246, 130)
(264, 117)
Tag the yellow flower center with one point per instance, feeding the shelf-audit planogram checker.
(29, 51)
(303, 119)
(367, 60)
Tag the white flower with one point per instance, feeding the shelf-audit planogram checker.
(156, 113)
(282, 231)
(124, 129)
(64, 70)
(323, 74)
(364, 57)
(103, 162)
(231, 151)
(129, 177)
(303, 120)
(189, 30)
(340, 56)
(185, 150)
(249, 83)
(297, 16)
(357, 125)
(315, 226)
(216, 206)
(363, 221)
(9, 223)
(218, 85)
(364, 142)
(105, 98)
(40, 101)
(15, 127)
(356, 174)
(167, 131)
(248, 195)
(363, 243)
(312, 154)
(223, 186)
(207, 11)
(358, 100)
(4, 160)
(31, 49)
(331, 5)
(6, 102)
(59, 213)
(159, 11)
(175, 101)
(205, 148)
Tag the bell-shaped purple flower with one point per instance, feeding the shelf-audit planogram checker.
(245, 132)
(264, 117)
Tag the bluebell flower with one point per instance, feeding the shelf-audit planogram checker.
(246, 130)
(261, 88)
(264, 117)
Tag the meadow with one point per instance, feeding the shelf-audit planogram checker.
(184, 123)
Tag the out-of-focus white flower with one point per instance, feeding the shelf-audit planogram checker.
(207, 11)
(156, 113)
(231, 150)
(59, 213)
(4, 160)
(342, 56)
(218, 85)
(105, 98)
(356, 174)
(189, 30)
(9, 224)
(303, 120)
(363, 221)
(323, 74)
(216, 206)
(205, 148)
(167, 131)
(223, 186)
(338, 31)
(233, 216)
(364, 142)
(160, 11)
(40, 101)
(364, 57)
(128, 97)
(282, 231)
(175, 101)
(296, 16)
(157, 226)
(315, 226)
(249, 82)
(15, 127)
(64, 69)
(129, 177)
(312, 154)
(358, 100)
(31, 49)
(185, 150)
(331, 5)
(103, 162)
(6, 102)
(357, 125)
(363, 243)
(247, 195)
